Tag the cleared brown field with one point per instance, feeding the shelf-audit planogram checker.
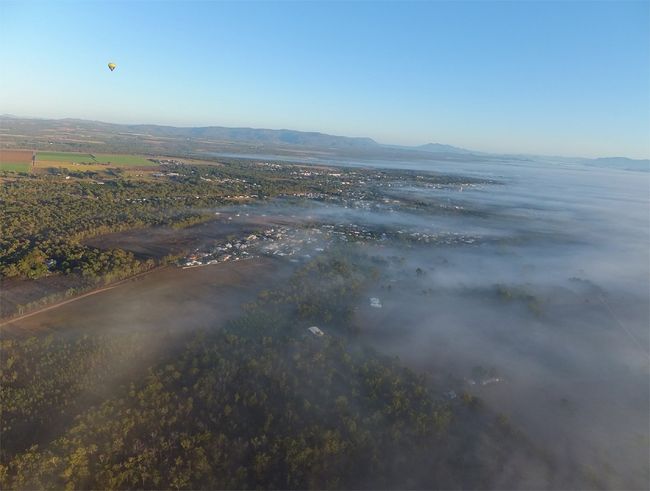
(16, 156)
(173, 298)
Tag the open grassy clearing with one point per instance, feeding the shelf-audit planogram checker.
(123, 160)
(14, 166)
(100, 158)
(63, 157)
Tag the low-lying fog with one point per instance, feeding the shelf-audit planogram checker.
(545, 314)
(567, 328)
(536, 299)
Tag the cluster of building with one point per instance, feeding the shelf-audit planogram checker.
(241, 196)
(484, 381)
(303, 238)
(276, 241)
(311, 238)
(375, 302)
(306, 194)
(166, 174)
(167, 161)
(235, 250)
(288, 242)
(352, 232)
(270, 165)
(440, 238)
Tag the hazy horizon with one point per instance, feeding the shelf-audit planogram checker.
(359, 136)
(521, 78)
(325, 244)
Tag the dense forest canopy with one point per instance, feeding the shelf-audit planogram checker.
(260, 403)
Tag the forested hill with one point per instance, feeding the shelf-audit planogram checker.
(258, 136)
(249, 136)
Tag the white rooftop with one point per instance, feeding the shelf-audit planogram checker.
(316, 331)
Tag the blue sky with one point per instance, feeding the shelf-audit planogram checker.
(563, 78)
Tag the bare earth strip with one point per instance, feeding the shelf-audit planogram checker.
(24, 156)
(78, 297)
(166, 298)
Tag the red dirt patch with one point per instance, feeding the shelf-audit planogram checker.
(16, 156)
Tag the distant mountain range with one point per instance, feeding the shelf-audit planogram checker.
(622, 163)
(441, 148)
(243, 135)
(255, 135)
(214, 133)
(71, 134)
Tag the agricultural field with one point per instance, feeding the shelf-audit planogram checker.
(42, 166)
(46, 159)
(24, 156)
(15, 160)
(64, 157)
(123, 160)
(14, 167)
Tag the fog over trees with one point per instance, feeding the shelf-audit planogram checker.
(484, 326)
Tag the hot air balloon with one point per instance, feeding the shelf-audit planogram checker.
(112, 66)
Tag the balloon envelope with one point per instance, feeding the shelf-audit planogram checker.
(112, 66)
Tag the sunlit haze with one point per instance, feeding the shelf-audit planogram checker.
(558, 78)
(325, 245)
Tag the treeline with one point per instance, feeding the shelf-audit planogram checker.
(260, 404)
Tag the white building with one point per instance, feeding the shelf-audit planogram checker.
(316, 331)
